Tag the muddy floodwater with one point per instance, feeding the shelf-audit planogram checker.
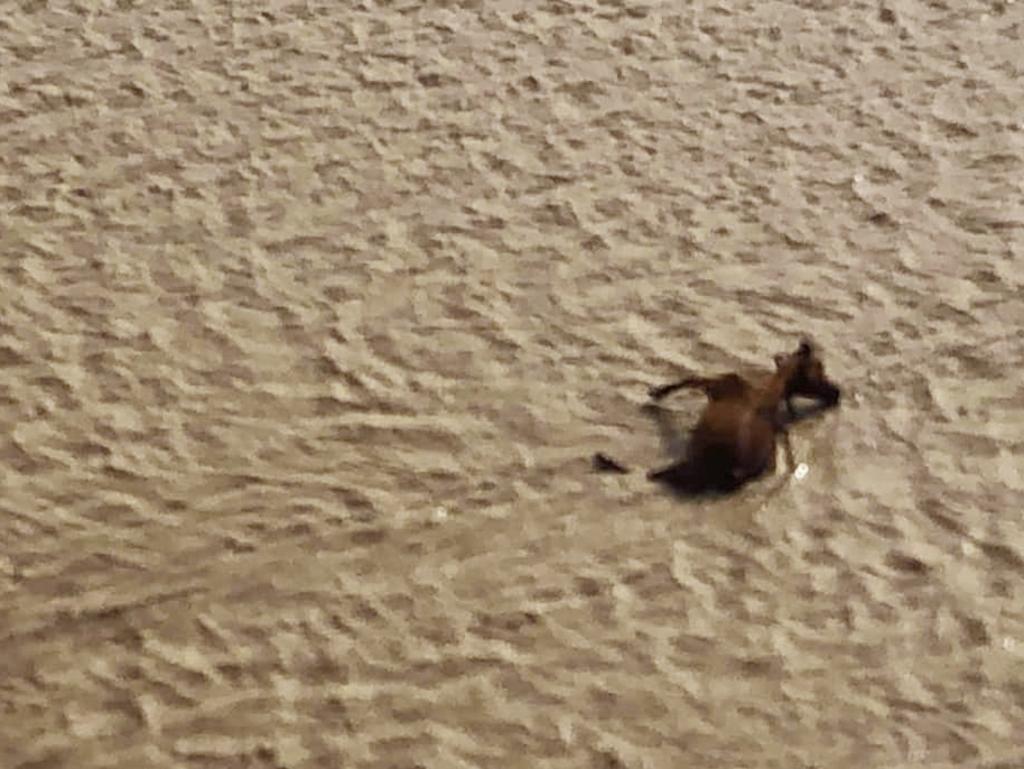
(312, 315)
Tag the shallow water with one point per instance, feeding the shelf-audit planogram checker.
(313, 315)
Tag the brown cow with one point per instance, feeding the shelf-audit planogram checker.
(735, 438)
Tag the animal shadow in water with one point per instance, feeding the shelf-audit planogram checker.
(804, 409)
(675, 441)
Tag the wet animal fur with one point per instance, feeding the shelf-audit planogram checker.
(735, 439)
